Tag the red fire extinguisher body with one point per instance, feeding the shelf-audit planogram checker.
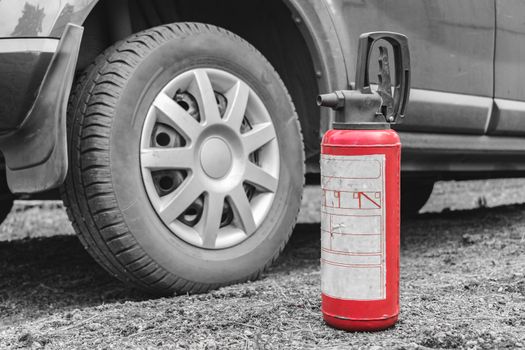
(360, 172)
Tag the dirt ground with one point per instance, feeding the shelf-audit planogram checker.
(462, 286)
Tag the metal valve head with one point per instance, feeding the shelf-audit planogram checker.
(394, 105)
(363, 105)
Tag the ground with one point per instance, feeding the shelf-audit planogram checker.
(462, 286)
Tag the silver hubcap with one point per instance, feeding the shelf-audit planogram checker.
(209, 158)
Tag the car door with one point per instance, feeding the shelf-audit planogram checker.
(509, 89)
(452, 55)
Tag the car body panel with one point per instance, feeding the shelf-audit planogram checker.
(454, 153)
(35, 151)
(509, 51)
(316, 25)
(444, 112)
(41, 18)
(509, 87)
(451, 44)
(23, 63)
(508, 118)
(29, 33)
(464, 53)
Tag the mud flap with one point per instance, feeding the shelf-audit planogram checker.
(36, 153)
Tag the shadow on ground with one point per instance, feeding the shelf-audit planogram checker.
(44, 275)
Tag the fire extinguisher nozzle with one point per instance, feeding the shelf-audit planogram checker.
(333, 100)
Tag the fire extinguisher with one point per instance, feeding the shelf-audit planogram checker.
(360, 180)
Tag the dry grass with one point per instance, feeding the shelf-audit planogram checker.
(462, 286)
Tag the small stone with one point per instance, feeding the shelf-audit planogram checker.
(470, 239)
(211, 345)
(26, 339)
(93, 326)
(74, 315)
(471, 343)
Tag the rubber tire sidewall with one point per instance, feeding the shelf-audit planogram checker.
(150, 76)
(414, 195)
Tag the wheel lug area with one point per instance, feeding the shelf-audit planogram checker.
(203, 133)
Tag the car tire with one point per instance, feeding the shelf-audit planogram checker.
(7, 199)
(414, 194)
(241, 169)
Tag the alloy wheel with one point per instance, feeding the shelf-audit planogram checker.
(210, 158)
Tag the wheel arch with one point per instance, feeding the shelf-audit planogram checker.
(297, 37)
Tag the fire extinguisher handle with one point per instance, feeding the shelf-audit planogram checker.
(399, 44)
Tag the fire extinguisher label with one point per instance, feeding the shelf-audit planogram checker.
(353, 227)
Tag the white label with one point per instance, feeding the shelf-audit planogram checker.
(353, 227)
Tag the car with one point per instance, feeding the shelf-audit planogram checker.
(180, 132)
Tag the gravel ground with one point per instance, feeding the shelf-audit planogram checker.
(462, 286)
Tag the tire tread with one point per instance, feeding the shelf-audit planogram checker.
(88, 190)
